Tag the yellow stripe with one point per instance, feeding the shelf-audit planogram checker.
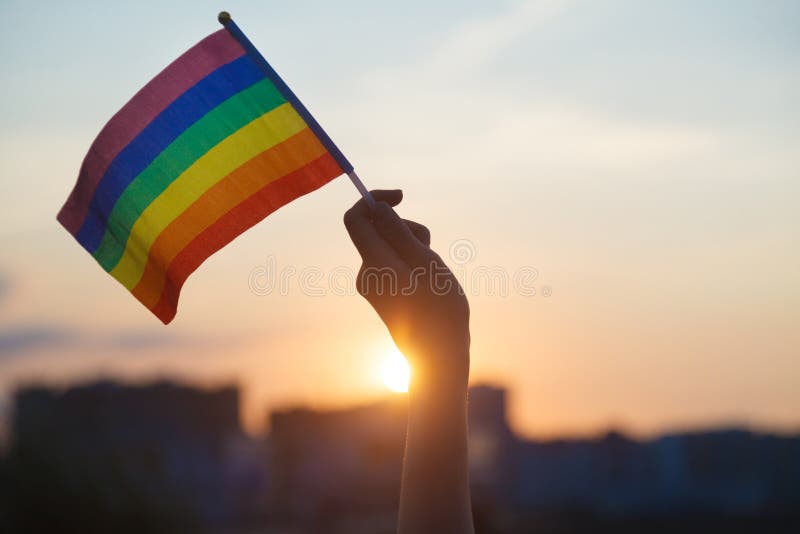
(270, 129)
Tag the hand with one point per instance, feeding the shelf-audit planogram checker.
(410, 287)
(421, 303)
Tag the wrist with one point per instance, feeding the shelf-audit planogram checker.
(440, 376)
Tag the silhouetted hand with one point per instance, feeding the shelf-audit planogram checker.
(421, 303)
(410, 287)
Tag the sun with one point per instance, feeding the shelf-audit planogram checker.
(395, 371)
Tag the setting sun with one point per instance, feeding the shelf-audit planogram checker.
(395, 371)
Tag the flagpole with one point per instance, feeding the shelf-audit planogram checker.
(225, 19)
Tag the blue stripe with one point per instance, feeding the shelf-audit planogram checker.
(287, 93)
(187, 109)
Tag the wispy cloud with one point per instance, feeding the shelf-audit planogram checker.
(450, 115)
(476, 42)
(5, 287)
(31, 339)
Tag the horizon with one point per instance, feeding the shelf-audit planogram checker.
(389, 397)
(635, 166)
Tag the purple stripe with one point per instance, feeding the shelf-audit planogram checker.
(205, 57)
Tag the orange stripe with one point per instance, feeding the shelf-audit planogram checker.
(219, 199)
(268, 199)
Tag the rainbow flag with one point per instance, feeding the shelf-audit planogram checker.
(207, 149)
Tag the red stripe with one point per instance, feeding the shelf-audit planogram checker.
(198, 62)
(268, 199)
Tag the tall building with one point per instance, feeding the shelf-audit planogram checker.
(122, 458)
(167, 458)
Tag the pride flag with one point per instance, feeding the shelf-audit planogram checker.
(207, 149)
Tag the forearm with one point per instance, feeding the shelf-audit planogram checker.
(429, 320)
(434, 496)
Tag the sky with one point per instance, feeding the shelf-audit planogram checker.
(630, 169)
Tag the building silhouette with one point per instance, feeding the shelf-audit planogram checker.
(106, 457)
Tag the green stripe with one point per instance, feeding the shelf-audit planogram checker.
(202, 136)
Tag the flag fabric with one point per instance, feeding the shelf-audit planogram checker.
(207, 149)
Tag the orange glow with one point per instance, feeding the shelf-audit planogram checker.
(395, 371)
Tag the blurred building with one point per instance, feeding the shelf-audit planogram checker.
(112, 458)
(338, 470)
(170, 458)
(721, 473)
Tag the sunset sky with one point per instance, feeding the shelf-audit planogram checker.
(642, 157)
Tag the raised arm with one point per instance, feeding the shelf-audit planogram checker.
(427, 314)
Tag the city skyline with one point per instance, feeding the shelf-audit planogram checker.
(106, 445)
(641, 159)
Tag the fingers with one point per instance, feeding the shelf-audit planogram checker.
(361, 208)
(419, 231)
(380, 236)
(371, 246)
(401, 238)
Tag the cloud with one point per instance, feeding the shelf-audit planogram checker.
(135, 341)
(5, 287)
(470, 45)
(34, 339)
(31, 338)
(477, 42)
(450, 115)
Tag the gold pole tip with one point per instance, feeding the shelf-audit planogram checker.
(223, 17)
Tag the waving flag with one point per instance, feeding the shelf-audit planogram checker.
(208, 148)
